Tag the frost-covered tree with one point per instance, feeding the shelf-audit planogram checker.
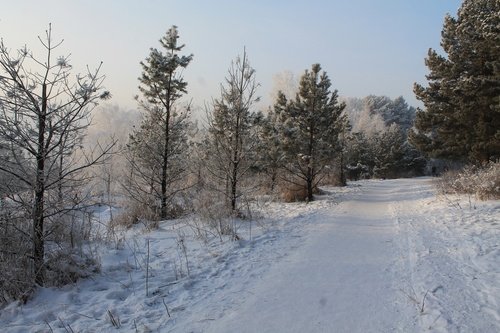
(400, 113)
(44, 114)
(360, 159)
(391, 111)
(393, 156)
(379, 127)
(374, 114)
(231, 134)
(157, 149)
(309, 128)
(461, 118)
(285, 82)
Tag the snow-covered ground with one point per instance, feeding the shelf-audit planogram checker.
(378, 256)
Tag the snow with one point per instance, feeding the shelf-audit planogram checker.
(377, 256)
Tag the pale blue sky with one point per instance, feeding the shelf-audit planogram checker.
(366, 46)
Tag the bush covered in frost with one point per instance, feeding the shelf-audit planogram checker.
(483, 182)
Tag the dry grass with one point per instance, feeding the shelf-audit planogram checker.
(134, 213)
(294, 193)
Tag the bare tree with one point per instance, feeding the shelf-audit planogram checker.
(44, 113)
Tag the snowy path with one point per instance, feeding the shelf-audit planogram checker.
(344, 279)
(377, 256)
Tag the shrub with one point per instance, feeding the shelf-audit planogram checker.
(68, 255)
(16, 271)
(65, 268)
(482, 182)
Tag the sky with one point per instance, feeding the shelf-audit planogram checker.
(365, 46)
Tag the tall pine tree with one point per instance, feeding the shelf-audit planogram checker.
(461, 120)
(157, 149)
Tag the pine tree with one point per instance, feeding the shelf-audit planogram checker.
(461, 120)
(269, 153)
(360, 159)
(309, 127)
(157, 149)
(378, 142)
(393, 156)
(232, 136)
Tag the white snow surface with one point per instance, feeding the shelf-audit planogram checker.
(377, 256)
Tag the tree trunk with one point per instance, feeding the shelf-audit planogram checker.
(38, 237)
(164, 175)
(60, 175)
(234, 186)
(343, 180)
(236, 156)
(38, 213)
(164, 170)
(274, 177)
(310, 180)
(234, 171)
(310, 163)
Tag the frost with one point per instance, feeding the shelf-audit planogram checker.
(62, 62)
